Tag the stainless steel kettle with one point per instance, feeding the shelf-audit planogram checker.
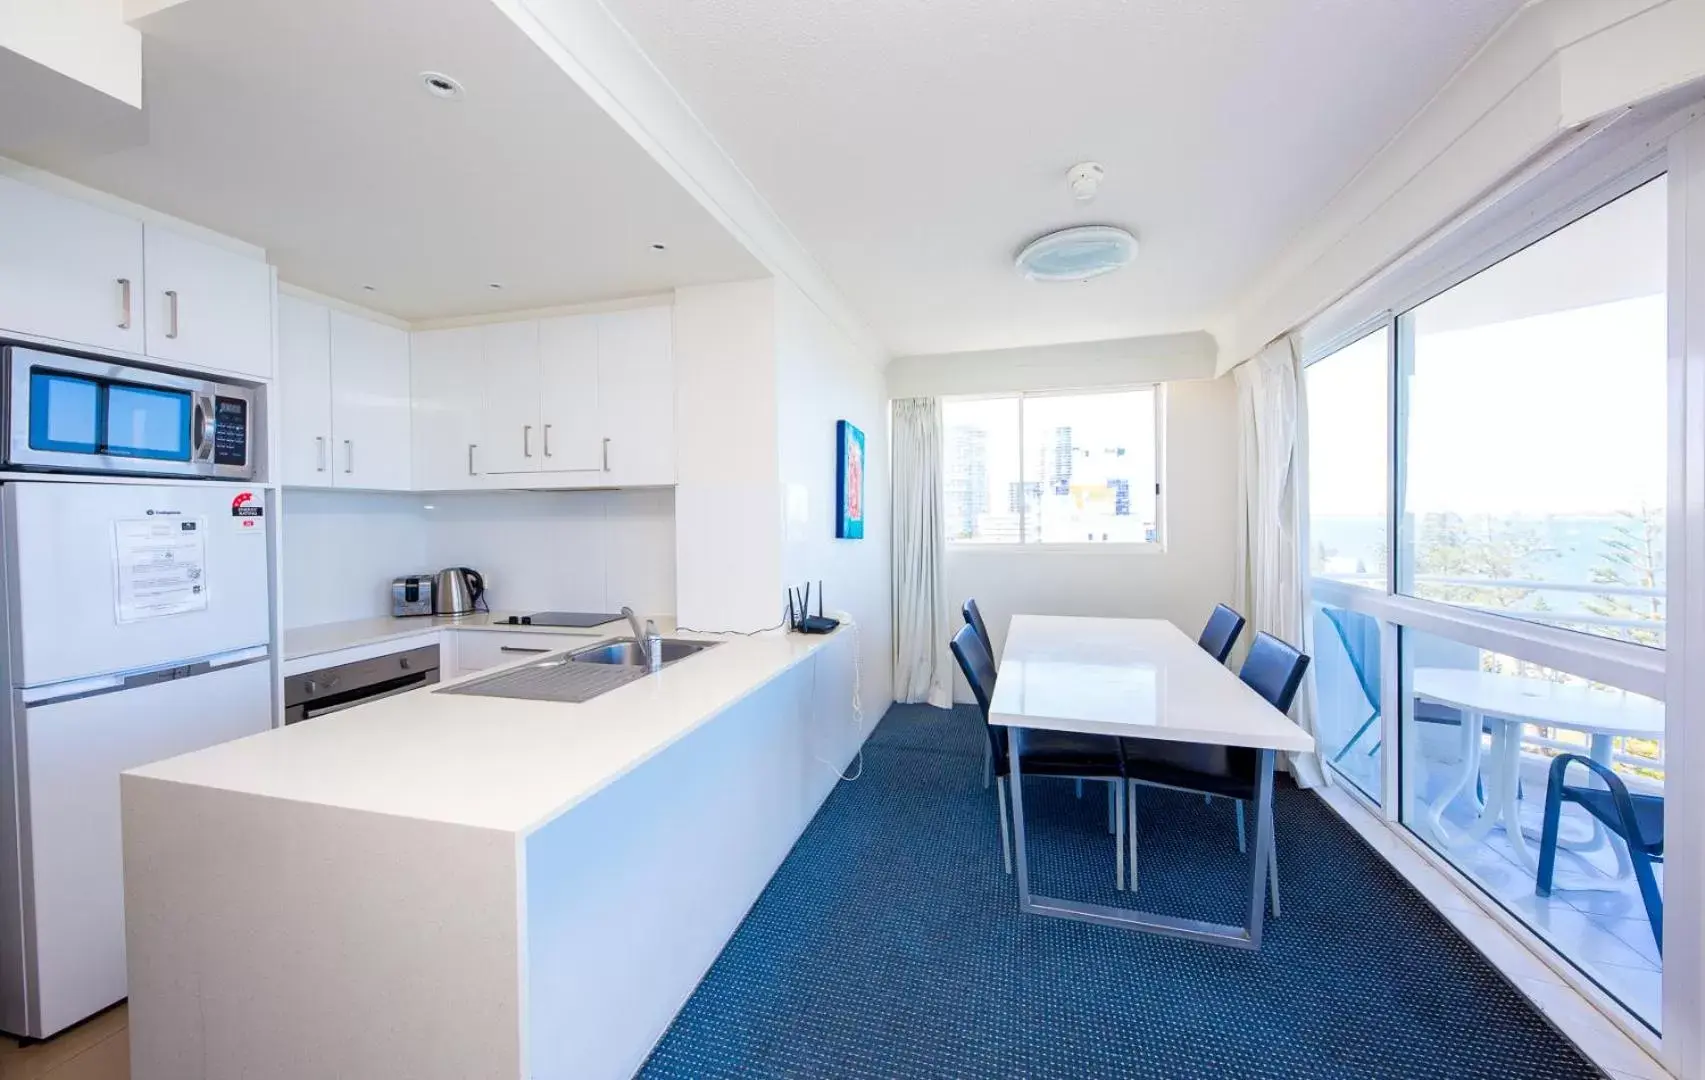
(457, 591)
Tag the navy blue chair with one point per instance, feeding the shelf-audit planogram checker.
(1220, 634)
(1637, 819)
(1274, 670)
(1046, 753)
(974, 619)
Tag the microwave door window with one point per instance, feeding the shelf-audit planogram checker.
(143, 422)
(64, 413)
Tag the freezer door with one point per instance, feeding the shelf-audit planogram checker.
(73, 860)
(107, 578)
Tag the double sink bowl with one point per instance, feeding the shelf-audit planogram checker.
(578, 675)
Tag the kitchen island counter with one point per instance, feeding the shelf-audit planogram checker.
(444, 885)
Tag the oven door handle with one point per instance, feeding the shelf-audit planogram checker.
(390, 689)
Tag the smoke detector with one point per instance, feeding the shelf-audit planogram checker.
(1079, 254)
(1084, 180)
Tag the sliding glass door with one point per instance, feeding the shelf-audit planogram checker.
(1488, 484)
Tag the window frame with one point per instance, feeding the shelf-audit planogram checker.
(1041, 547)
(1450, 258)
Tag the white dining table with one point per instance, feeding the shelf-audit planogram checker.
(1136, 678)
(1504, 704)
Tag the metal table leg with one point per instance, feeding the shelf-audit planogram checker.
(1247, 936)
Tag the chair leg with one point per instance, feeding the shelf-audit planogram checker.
(1116, 791)
(1112, 806)
(988, 764)
(1006, 829)
(1131, 833)
(1242, 842)
(1649, 893)
(1548, 839)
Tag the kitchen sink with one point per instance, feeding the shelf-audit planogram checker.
(626, 652)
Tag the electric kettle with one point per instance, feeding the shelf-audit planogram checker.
(457, 591)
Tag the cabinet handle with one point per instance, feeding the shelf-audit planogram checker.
(517, 648)
(171, 313)
(547, 440)
(349, 455)
(319, 453)
(471, 471)
(124, 303)
(606, 454)
(526, 440)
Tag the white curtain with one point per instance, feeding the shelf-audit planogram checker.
(1271, 587)
(923, 664)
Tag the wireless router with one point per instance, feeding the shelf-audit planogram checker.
(804, 622)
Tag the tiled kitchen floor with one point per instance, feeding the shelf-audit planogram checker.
(97, 1049)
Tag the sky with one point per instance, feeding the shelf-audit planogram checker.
(1514, 409)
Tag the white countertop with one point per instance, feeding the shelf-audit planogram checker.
(490, 763)
(331, 637)
(1136, 677)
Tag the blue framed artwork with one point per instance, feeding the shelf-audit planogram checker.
(849, 481)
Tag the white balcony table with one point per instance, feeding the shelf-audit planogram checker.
(1504, 704)
(1141, 678)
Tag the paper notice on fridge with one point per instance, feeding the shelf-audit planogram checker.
(161, 565)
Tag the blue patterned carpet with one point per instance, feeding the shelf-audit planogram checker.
(890, 945)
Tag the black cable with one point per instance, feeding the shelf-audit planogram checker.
(744, 633)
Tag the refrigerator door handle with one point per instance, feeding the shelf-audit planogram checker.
(72, 689)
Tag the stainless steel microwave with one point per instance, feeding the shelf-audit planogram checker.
(76, 414)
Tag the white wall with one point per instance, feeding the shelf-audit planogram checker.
(822, 377)
(1181, 583)
(728, 519)
(1158, 358)
(565, 550)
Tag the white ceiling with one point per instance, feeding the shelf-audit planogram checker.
(914, 145)
(302, 127)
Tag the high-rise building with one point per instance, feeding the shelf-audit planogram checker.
(1061, 474)
(967, 494)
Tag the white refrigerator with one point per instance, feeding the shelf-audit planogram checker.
(136, 627)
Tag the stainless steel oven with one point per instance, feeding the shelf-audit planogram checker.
(334, 689)
(78, 414)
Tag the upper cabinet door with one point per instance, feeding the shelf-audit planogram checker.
(513, 440)
(69, 271)
(304, 391)
(571, 423)
(207, 306)
(370, 404)
(636, 392)
(449, 408)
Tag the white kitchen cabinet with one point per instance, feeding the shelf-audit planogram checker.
(206, 306)
(304, 393)
(370, 404)
(477, 650)
(636, 396)
(571, 422)
(448, 394)
(512, 420)
(68, 270)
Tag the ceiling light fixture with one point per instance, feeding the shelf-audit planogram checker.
(440, 85)
(1078, 254)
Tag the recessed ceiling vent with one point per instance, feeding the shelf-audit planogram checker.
(1079, 254)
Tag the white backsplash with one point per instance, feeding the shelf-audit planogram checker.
(567, 550)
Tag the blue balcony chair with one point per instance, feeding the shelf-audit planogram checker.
(1274, 670)
(1220, 634)
(1637, 819)
(974, 619)
(1046, 753)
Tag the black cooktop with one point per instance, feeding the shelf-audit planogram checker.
(565, 618)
